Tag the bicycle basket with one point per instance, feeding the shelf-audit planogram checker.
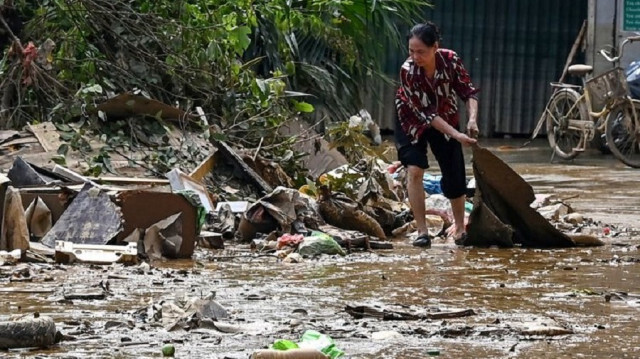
(611, 85)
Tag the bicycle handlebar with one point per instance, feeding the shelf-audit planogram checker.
(610, 58)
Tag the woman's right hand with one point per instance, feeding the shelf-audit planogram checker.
(465, 140)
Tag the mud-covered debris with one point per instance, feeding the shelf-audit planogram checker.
(508, 197)
(24, 174)
(341, 211)
(181, 181)
(363, 311)
(38, 217)
(164, 238)
(555, 211)
(574, 218)
(68, 252)
(10, 257)
(319, 243)
(15, 232)
(38, 332)
(279, 210)
(91, 218)
(144, 209)
(213, 240)
(85, 294)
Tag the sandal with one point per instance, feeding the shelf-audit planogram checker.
(460, 241)
(423, 240)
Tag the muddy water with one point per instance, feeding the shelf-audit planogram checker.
(505, 287)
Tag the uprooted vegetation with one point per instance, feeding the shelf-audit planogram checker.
(251, 66)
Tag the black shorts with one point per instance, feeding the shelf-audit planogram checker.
(449, 155)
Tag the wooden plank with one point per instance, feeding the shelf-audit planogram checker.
(129, 180)
(203, 168)
(574, 49)
(47, 135)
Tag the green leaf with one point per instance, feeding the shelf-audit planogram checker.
(63, 149)
(303, 106)
(59, 160)
(240, 35)
(219, 136)
(96, 89)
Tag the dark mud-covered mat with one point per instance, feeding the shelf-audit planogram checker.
(502, 214)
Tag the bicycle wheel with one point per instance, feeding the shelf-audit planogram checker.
(622, 134)
(563, 107)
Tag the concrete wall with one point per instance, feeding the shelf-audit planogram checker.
(607, 28)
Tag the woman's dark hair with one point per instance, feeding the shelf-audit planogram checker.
(428, 33)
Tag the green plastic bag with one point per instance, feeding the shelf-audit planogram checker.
(319, 243)
(311, 339)
(284, 344)
(321, 342)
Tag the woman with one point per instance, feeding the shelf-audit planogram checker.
(431, 78)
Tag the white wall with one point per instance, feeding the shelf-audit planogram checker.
(606, 27)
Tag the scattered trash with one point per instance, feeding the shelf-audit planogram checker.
(280, 209)
(288, 354)
(292, 240)
(311, 344)
(319, 243)
(10, 257)
(69, 252)
(180, 181)
(234, 206)
(431, 184)
(164, 238)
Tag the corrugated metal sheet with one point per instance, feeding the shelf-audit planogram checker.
(512, 48)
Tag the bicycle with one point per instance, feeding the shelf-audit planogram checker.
(575, 114)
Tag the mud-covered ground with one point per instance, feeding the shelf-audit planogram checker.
(514, 293)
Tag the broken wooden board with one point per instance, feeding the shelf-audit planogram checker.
(509, 198)
(204, 168)
(91, 218)
(242, 169)
(47, 135)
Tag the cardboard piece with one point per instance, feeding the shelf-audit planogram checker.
(142, 209)
(164, 238)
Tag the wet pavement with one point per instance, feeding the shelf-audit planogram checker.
(269, 300)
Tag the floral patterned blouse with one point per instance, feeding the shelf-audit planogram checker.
(419, 100)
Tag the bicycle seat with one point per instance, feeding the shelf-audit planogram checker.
(580, 70)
